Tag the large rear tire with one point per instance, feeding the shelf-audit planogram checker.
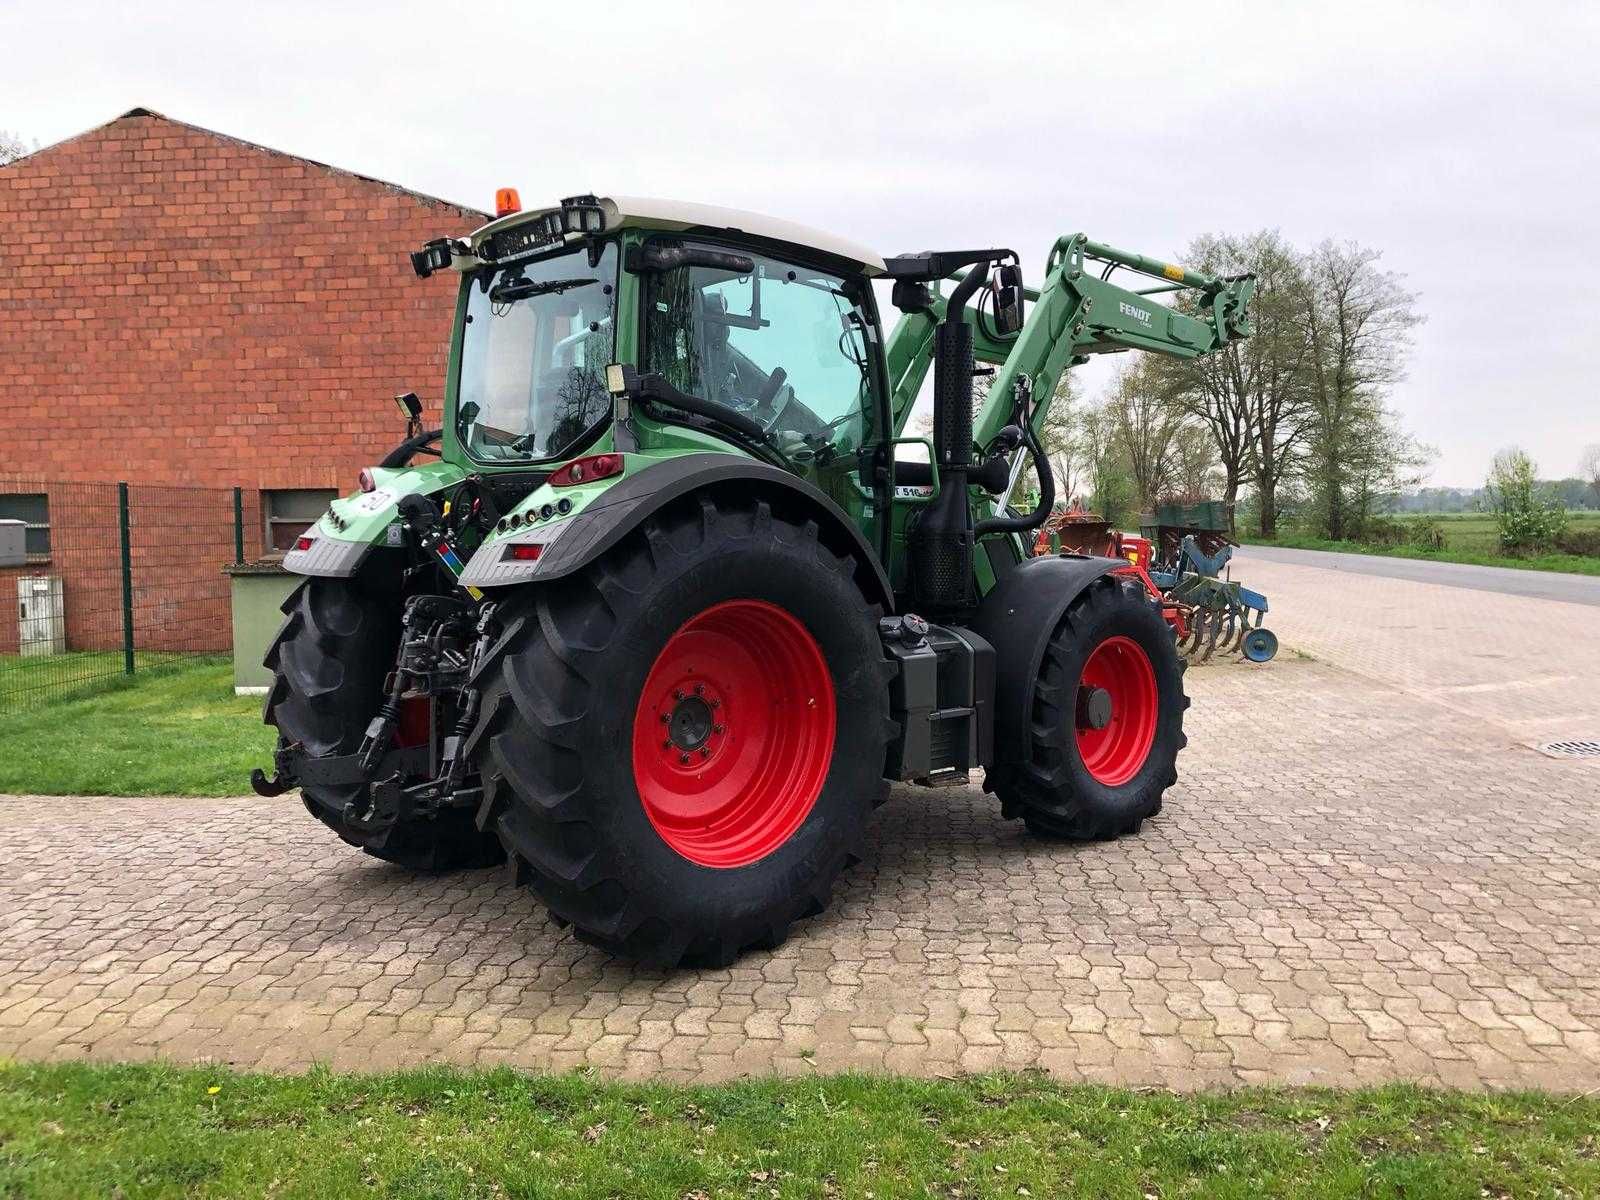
(1098, 764)
(337, 643)
(680, 746)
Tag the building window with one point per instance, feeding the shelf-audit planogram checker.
(287, 512)
(34, 511)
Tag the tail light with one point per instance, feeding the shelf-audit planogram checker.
(365, 481)
(587, 470)
(304, 541)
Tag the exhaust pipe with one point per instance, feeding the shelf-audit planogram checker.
(942, 541)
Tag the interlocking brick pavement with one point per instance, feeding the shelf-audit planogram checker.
(1351, 883)
(1526, 666)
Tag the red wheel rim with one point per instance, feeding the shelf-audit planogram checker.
(733, 733)
(1113, 754)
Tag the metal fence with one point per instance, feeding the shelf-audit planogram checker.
(116, 578)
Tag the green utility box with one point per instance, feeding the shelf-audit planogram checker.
(259, 588)
(1206, 514)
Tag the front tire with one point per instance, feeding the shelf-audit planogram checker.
(680, 746)
(1097, 765)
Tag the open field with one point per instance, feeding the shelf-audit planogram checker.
(176, 729)
(1469, 538)
(154, 1131)
(1475, 533)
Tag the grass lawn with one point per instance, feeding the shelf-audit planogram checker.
(1469, 538)
(175, 729)
(44, 679)
(152, 1130)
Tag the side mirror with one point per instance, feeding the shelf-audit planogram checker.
(1008, 300)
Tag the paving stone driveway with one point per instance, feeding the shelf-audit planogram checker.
(1353, 882)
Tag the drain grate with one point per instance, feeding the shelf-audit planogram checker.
(1571, 749)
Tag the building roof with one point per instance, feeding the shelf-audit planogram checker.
(680, 216)
(422, 197)
(638, 211)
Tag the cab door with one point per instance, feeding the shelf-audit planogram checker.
(793, 347)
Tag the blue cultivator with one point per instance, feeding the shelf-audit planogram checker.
(1220, 615)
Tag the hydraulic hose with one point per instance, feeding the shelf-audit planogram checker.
(1047, 494)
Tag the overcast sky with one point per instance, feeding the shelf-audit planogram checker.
(1461, 140)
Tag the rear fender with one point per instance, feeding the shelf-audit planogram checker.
(569, 546)
(1017, 618)
(354, 524)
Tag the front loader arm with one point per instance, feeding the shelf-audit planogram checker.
(1074, 313)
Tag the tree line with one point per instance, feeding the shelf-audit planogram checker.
(1571, 493)
(1296, 416)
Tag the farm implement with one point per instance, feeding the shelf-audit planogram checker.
(1191, 549)
(1217, 611)
(1181, 561)
(667, 610)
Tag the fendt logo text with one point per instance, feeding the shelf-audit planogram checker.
(1142, 315)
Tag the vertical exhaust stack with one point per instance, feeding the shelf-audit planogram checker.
(941, 543)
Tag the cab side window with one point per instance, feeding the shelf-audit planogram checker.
(785, 345)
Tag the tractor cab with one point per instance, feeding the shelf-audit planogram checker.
(768, 330)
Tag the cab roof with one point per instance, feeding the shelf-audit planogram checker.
(678, 216)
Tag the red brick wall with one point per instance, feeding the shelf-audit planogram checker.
(178, 307)
(178, 540)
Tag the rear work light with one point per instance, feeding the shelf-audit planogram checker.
(522, 552)
(587, 470)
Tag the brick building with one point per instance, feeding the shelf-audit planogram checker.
(182, 308)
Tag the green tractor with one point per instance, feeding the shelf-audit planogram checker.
(666, 604)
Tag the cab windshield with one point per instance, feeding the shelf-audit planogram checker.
(533, 356)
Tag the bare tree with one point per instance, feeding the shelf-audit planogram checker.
(1144, 422)
(1207, 390)
(1194, 464)
(1272, 371)
(1589, 468)
(1256, 397)
(13, 146)
(1357, 321)
(1105, 468)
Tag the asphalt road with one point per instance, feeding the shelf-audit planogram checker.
(1542, 585)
